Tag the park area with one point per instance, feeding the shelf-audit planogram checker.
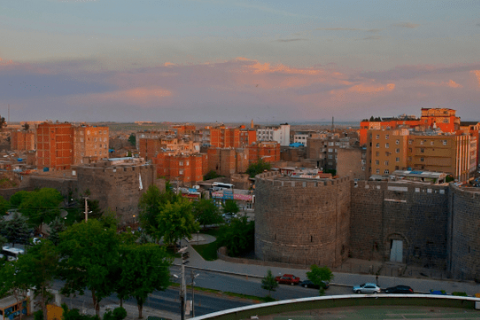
(374, 313)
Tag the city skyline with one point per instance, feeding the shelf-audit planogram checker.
(269, 61)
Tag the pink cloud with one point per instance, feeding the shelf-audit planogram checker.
(477, 74)
(139, 95)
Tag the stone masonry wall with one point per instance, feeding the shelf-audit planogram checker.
(302, 221)
(464, 233)
(117, 187)
(386, 211)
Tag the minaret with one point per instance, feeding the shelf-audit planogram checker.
(251, 124)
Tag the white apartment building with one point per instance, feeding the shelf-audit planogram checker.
(280, 134)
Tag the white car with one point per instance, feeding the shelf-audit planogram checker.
(367, 288)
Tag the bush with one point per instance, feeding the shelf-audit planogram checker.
(460, 294)
(117, 314)
(38, 315)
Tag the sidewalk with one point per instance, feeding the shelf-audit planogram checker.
(341, 279)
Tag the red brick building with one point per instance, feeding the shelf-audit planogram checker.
(184, 129)
(268, 151)
(247, 136)
(186, 169)
(54, 145)
(22, 140)
(223, 137)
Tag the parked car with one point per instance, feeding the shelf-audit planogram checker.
(310, 284)
(399, 289)
(367, 288)
(288, 279)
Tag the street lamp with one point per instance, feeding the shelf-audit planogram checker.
(193, 292)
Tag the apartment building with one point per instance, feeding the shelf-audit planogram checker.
(223, 137)
(154, 134)
(184, 129)
(268, 151)
(323, 148)
(150, 147)
(247, 136)
(228, 161)
(387, 151)
(90, 143)
(54, 145)
(280, 134)
(22, 140)
(442, 118)
(183, 169)
(405, 149)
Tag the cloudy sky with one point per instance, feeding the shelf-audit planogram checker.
(215, 60)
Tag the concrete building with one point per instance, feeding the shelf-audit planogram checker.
(22, 140)
(227, 162)
(387, 151)
(323, 149)
(442, 118)
(90, 144)
(280, 134)
(351, 162)
(223, 137)
(184, 129)
(155, 134)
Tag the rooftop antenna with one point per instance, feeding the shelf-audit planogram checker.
(333, 125)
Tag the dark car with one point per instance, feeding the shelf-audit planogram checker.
(310, 284)
(399, 289)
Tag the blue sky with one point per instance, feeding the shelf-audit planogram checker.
(235, 60)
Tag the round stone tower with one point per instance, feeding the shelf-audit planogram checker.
(302, 221)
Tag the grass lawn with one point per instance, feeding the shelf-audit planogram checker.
(208, 251)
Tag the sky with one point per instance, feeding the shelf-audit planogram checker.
(238, 60)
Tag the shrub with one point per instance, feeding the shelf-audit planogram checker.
(460, 294)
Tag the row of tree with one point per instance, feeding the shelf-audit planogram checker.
(89, 256)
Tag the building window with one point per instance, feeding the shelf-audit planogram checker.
(422, 150)
(387, 145)
(422, 159)
(377, 145)
(378, 171)
(378, 137)
(397, 150)
(444, 142)
(180, 163)
(386, 171)
(188, 162)
(377, 162)
(387, 136)
(397, 159)
(397, 142)
(410, 141)
(386, 162)
(180, 171)
(431, 143)
(377, 153)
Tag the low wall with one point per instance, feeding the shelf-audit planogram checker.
(222, 255)
(342, 301)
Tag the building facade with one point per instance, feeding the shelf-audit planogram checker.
(22, 140)
(280, 134)
(90, 144)
(54, 145)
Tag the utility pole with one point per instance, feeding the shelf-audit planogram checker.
(183, 288)
(86, 209)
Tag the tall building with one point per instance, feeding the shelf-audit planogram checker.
(149, 148)
(184, 129)
(268, 151)
(280, 134)
(223, 137)
(443, 118)
(54, 145)
(402, 149)
(22, 140)
(90, 144)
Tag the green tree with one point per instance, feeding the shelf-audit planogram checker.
(144, 269)
(39, 266)
(18, 198)
(176, 221)
(13, 282)
(41, 206)
(132, 140)
(212, 174)
(74, 314)
(318, 275)
(118, 313)
(3, 241)
(230, 206)
(90, 257)
(206, 212)
(16, 229)
(4, 206)
(56, 227)
(258, 167)
(269, 283)
(151, 204)
(3, 123)
(238, 236)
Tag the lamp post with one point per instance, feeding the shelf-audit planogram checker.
(193, 293)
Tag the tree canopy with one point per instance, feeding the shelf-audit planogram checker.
(230, 206)
(132, 139)
(318, 275)
(238, 236)
(90, 253)
(206, 212)
(269, 283)
(4, 206)
(258, 167)
(176, 221)
(15, 230)
(41, 206)
(144, 269)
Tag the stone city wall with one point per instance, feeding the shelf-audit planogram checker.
(464, 231)
(302, 221)
(413, 213)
